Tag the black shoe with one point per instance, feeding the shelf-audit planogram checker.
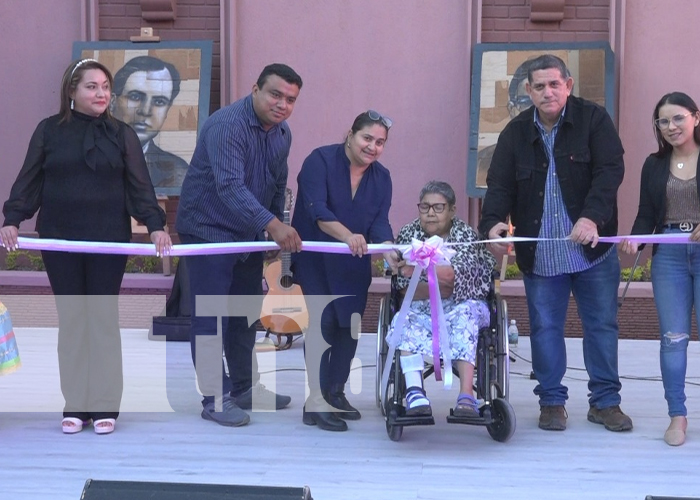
(325, 420)
(336, 398)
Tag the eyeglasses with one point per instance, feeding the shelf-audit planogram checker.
(438, 208)
(375, 116)
(664, 123)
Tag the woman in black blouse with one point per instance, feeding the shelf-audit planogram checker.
(86, 174)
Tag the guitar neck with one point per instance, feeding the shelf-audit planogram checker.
(286, 257)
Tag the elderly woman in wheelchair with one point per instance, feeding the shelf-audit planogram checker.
(464, 287)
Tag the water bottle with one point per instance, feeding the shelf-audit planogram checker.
(513, 335)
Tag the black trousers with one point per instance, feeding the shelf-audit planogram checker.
(336, 360)
(86, 288)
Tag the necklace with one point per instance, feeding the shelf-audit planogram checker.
(681, 164)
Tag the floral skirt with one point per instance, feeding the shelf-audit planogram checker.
(9, 355)
(463, 321)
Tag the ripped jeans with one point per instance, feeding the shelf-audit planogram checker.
(675, 277)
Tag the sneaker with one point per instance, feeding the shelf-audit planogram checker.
(230, 415)
(612, 418)
(553, 418)
(261, 395)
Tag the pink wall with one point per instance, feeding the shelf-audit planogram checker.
(404, 58)
(659, 56)
(35, 50)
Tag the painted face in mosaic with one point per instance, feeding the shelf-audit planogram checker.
(548, 92)
(91, 96)
(438, 219)
(145, 102)
(521, 102)
(681, 124)
(366, 145)
(274, 102)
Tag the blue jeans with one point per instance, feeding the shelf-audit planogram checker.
(226, 275)
(595, 292)
(674, 271)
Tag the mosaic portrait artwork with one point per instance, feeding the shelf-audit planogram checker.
(499, 92)
(162, 91)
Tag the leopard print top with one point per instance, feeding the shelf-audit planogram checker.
(473, 264)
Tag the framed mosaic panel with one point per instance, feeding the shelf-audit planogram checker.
(162, 90)
(498, 92)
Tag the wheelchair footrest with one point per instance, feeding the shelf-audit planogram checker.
(485, 419)
(398, 417)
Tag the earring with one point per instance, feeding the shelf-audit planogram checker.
(72, 104)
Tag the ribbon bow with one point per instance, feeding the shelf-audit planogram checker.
(432, 251)
(426, 255)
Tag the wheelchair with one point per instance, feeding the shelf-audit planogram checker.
(491, 373)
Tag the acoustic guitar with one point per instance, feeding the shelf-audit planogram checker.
(284, 312)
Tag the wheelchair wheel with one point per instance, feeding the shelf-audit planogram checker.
(503, 375)
(394, 431)
(503, 425)
(380, 364)
(382, 347)
(389, 405)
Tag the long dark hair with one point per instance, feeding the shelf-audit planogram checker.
(678, 99)
(72, 76)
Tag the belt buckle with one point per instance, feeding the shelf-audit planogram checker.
(686, 227)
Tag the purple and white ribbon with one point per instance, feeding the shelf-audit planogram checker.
(668, 238)
(425, 256)
(184, 250)
(309, 246)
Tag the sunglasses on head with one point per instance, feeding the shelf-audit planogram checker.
(377, 117)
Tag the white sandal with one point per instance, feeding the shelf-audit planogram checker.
(72, 425)
(100, 428)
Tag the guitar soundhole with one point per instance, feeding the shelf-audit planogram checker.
(286, 281)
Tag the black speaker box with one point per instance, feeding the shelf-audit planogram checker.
(175, 328)
(135, 490)
(653, 497)
(174, 323)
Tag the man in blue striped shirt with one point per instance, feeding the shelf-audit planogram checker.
(555, 171)
(234, 191)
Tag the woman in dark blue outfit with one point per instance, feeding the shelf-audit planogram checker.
(344, 195)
